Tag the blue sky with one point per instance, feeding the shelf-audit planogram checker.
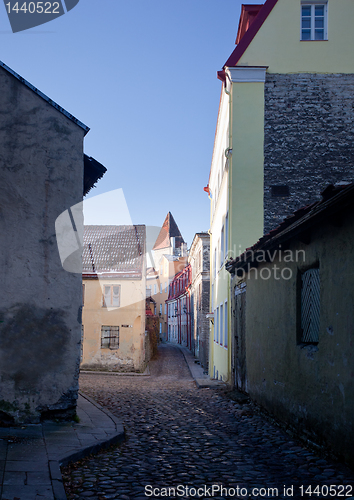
(142, 75)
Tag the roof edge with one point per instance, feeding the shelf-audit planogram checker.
(250, 33)
(45, 97)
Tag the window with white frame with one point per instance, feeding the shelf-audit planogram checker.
(111, 296)
(225, 325)
(161, 288)
(165, 286)
(160, 308)
(165, 308)
(155, 289)
(109, 337)
(314, 21)
(222, 247)
(226, 234)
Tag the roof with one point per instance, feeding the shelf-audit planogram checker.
(169, 230)
(249, 25)
(180, 283)
(334, 200)
(93, 171)
(114, 251)
(45, 97)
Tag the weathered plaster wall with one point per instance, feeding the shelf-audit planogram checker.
(310, 388)
(308, 138)
(131, 353)
(41, 169)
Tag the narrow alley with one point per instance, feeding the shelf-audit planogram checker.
(199, 442)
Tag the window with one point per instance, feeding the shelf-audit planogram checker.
(222, 247)
(314, 21)
(280, 191)
(215, 263)
(310, 306)
(225, 325)
(160, 308)
(165, 308)
(83, 294)
(160, 287)
(165, 286)
(155, 289)
(226, 234)
(109, 337)
(111, 296)
(221, 324)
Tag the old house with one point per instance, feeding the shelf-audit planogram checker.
(293, 321)
(199, 260)
(114, 306)
(179, 313)
(43, 173)
(284, 130)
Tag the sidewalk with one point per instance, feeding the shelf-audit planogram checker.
(202, 380)
(31, 455)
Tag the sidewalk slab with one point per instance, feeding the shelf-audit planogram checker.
(202, 380)
(31, 455)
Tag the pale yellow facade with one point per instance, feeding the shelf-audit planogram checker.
(129, 317)
(277, 44)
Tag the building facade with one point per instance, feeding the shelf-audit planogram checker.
(114, 311)
(284, 131)
(179, 325)
(293, 318)
(199, 260)
(42, 176)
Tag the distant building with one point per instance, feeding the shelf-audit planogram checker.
(179, 323)
(114, 281)
(199, 260)
(43, 173)
(170, 257)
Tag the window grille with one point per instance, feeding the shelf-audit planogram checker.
(109, 337)
(310, 306)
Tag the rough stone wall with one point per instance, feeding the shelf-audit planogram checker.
(308, 139)
(41, 172)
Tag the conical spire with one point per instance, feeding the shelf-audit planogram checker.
(169, 230)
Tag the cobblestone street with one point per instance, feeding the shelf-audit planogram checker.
(179, 435)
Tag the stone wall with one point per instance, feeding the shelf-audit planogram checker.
(308, 139)
(41, 171)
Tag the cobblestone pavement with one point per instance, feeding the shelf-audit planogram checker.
(179, 435)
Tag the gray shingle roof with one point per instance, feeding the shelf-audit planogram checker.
(114, 250)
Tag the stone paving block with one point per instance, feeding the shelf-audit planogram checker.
(26, 452)
(14, 477)
(27, 492)
(42, 477)
(25, 465)
(3, 450)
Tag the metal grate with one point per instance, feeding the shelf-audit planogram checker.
(310, 306)
(109, 337)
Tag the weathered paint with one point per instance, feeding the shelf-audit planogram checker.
(129, 317)
(277, 43)
(41, 169)
(308, 387)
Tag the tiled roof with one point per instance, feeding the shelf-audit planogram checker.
(93, 171)
(114, 250)
(334, 199)
(169, 230)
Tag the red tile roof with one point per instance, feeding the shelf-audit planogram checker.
(169, 229)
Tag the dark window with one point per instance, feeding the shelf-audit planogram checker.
(280, 191)
(310, 306)
(109, 337)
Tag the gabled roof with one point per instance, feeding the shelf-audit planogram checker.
(253, 20)
(335, 199)
(45, 97)
(169, 230)
(114, 251)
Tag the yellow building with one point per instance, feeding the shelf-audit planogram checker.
(114, 288)
(284, 131)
